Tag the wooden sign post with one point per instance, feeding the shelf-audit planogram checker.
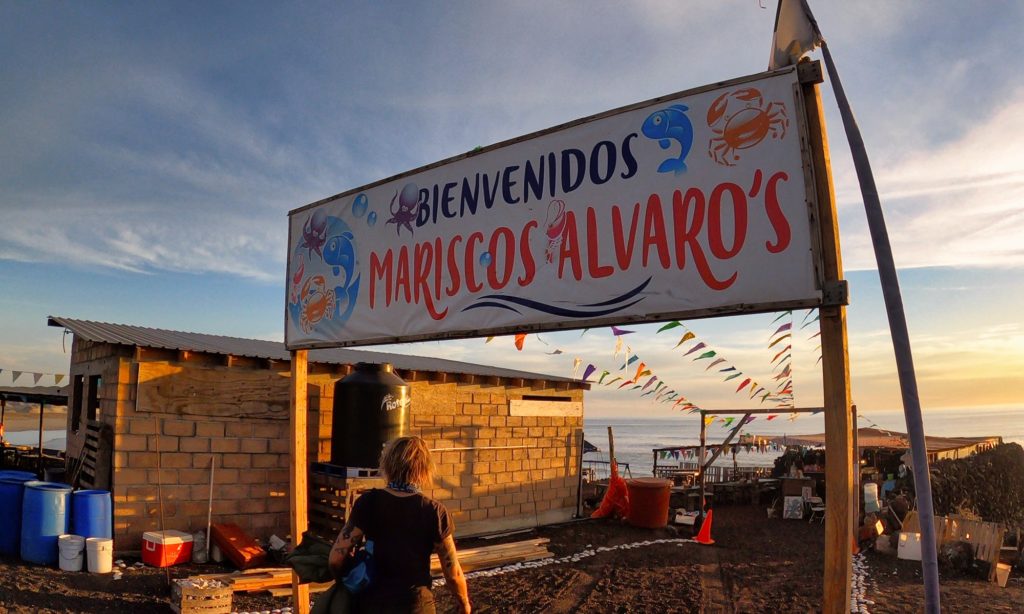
(834, 360)
(298, 484)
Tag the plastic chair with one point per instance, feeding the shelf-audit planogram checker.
(817, 508)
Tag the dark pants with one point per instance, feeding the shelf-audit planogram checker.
(417, 600)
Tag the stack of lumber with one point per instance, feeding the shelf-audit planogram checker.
(487, 557)
(278, 580)
(252, 580)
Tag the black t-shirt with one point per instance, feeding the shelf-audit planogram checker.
(404, 531)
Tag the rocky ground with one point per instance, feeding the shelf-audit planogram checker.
(757, 564)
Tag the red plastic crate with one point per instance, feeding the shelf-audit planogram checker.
(239, 548)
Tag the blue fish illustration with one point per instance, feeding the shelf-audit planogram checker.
(667, 125)
(340, 254)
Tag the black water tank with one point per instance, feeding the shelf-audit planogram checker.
(371, 406)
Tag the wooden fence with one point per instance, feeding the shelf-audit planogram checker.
(985, 537)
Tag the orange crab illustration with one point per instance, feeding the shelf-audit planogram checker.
(317, 302)
(740, 119)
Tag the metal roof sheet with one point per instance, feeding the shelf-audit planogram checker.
(124, 334)
(55, 395)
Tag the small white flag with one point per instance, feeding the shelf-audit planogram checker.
(576, 362)
(796, 33)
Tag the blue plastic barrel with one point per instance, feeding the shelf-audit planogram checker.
(12, 486)
(25, 476)
(44, 515)
(90, 513)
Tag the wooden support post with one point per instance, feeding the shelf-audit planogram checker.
(579, 473)
(611, 448)
(42, 406)
(298, 491)
(835, 370)
(700, 459)
(856, 470)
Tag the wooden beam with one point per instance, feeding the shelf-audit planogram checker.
(738, 412)
(721, 446)
(835, 372)
(299, 490)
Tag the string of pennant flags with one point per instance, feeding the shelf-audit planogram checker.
(636, 376)
(56, 378)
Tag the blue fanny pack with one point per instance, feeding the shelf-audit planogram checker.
(361, 573)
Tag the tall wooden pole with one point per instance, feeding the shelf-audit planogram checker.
(611, 448)
(856, 467)
(298, 491)
(42, 407)
(834, 361)
(700, 460)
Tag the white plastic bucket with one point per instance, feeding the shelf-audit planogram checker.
(100, 553)
(871, 498)
(72, 553)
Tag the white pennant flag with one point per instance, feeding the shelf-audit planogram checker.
(576, 362)
(618, 347)
(796, 33)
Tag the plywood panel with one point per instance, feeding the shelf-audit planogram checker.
(212, 391)
(531, 407)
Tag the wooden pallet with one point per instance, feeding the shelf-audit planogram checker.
(985, 537)
(330, 501)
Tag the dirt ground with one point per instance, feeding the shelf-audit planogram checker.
(756, 565)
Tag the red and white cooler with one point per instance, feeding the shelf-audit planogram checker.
(166, 548)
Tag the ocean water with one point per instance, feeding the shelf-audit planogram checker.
(635, 437)
(55, 440)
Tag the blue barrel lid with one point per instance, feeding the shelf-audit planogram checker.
(55, 486)
(23, 476)
(90, 493)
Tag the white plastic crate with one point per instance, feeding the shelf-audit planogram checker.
(910, 546)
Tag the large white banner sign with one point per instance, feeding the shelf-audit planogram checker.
(694, 204)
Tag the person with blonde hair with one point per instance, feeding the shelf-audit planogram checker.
(405, 527)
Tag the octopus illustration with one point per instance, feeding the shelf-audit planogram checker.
(317, 302)
(314, 234)
(408, 202)
(555, 223)
(740, 119)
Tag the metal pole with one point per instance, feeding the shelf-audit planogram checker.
(900, 338)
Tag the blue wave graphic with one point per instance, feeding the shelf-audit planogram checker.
(501, 301)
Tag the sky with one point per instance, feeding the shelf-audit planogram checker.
(150, 153)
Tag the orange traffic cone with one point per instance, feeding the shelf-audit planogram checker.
(704, 536)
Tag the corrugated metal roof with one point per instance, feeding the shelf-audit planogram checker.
(56, 395)
(142, 336)
(880, 438)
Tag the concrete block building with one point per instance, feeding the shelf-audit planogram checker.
(153, 410)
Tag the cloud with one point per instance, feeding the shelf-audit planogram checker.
(957, 204)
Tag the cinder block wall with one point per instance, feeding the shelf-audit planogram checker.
(515, 471)
(250, 474)
(518, 471)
